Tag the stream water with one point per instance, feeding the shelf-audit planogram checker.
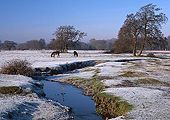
(82, 107)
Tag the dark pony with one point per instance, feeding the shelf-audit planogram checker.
(75, 54)
(55, 53)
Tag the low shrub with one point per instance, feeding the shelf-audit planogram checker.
(17, 67)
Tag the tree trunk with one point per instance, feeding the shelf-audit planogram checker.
(144, 40)
(134, 50)
(142, 48)
(134, 46)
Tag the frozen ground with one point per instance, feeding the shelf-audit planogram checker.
(28, 105)
(145, 83)
(15, 80)
(42, 58)
(147, 89)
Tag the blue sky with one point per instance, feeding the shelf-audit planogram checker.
(22, 20)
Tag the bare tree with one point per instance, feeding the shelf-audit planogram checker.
(143, 28)
(9, 45)
(124, 44)
(151, 22)
(133, 25)
(65, 34)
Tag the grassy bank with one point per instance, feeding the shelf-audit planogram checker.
(108, 106)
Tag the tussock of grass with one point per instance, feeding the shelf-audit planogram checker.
(132, 74)
(111, 106)
(105, 77)
(128, 74)
(97, 71)
(126, 83)
(10, 90)
(17, 67)
(151, 81)
(97, 86)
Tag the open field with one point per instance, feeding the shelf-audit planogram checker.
(144, 83)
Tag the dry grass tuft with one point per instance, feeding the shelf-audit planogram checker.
(152, 81)
(132, 74)
(10, 90)
(17, 67)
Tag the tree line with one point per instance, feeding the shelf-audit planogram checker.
(29, 45)
(41, 44)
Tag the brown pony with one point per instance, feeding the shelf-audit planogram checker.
(55, 53)
(75, 54)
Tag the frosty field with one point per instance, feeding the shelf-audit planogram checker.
(144, 83)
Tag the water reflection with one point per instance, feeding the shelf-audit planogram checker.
(83, 107)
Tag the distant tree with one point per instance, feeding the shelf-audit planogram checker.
(22, 46)
(42, 44)
(168, 37)
(55, 44)
(80, 46)
(0, 45)
(168, 42)
(110, 43)
(9, 45)
(32, 45)
(101, 44)
(65, 34)
(98, 44)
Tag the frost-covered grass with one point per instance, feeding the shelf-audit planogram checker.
(30, 108)
(19, 100)
(15, 80)
(41, 58)
(148, 103)
(144, 83)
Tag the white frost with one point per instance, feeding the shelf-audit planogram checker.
(15, 80)
(148, 103)
(29, 106)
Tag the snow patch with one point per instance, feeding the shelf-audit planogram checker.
(148, 103)
(112, 82)
(15, 80)
(26, 108)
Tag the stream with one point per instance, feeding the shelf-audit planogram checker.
(82, 107)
